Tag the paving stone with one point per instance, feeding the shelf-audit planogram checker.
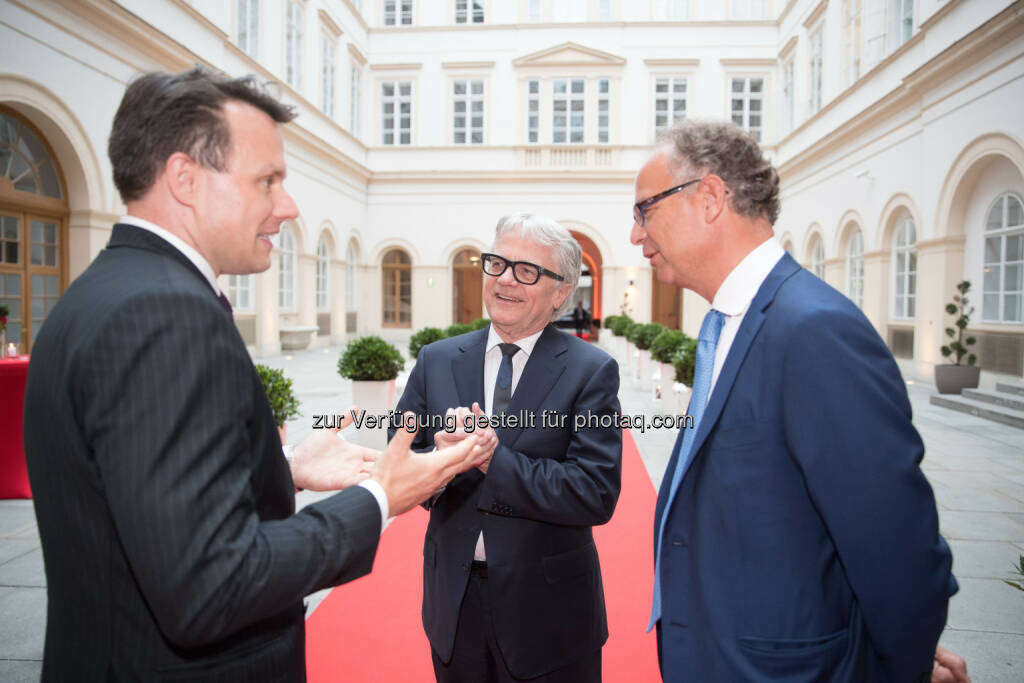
(990, 657)
(16, 516)
(983, 559)
(982, 526)
(26, 570)
(23, 625)
(987, 605)
(20, 670)
(11, 548)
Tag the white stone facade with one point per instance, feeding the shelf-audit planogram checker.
(876, 112)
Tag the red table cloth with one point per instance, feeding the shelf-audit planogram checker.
(13, 474)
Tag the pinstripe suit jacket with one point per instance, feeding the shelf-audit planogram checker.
(165, 508)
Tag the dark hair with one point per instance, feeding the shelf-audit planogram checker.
(163, 113)
(700, 147)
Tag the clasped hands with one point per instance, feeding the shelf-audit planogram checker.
(325, 461)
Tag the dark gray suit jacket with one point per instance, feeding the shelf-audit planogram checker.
(165, 507)
(544, 490)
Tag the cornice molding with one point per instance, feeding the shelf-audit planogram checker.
(787, 48)
(751, 63)
(406, 66)
(201, 18)
(513, 176)
(686, 63)
(785, 11)
(941, 243)
(815, 14)
(329, 23)
(549, 57)
(357, 14)
(357, 54)
(468, 65)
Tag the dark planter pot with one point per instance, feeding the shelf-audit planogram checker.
(952, 379)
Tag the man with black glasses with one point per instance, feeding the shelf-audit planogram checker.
(512, 584)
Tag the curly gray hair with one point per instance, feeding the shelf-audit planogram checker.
(697, 147)
(550, 233)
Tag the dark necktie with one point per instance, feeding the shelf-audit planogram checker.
(503, 384)
(225, 303)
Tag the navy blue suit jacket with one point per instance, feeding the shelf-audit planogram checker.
(803, 544)
(544, 490)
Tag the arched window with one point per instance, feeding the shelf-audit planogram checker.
(286, 276)
(855, 268)
(467, 286)
(323, 274)
(396, 293)
(818, 259)
(1004, 261)
(905, 269)
(240, 292)
(33, 230)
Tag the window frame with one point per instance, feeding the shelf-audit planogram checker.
(816, 67)
(288, 258)
(904, 267)
(669, 95)
(1003, 234)
(749, 96)
(294, 48)
(251, 45)
(328, 72)
(396, 83)
(468, 98)
(855, 267)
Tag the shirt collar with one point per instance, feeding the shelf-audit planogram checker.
(525, 344)
(191, 254)
(739, 287)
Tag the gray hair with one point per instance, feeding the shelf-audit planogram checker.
(696, 148)
(550, 233)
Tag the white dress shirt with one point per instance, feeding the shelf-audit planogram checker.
(206, 269)
(492, 362)
(735, 294)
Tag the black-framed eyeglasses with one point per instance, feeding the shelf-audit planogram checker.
(640, 208)
(524, 272)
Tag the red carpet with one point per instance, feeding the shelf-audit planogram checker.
(370, 629)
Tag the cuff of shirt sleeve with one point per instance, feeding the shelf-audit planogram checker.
(382, 500)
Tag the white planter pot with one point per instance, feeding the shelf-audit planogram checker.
(374, 400)
(668, 376)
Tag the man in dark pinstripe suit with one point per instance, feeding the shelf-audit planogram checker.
(165, 505)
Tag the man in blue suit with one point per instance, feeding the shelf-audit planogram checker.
(796, 536)
(511, 580)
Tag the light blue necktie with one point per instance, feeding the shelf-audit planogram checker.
(706, 343)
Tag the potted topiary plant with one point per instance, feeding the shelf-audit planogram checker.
(663, 348)
(427, 335)
(372, 364)
(684, 362)
(642, 335)
(952, 378)
(279, 393)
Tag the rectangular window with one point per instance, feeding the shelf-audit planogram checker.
(533, 12)
(672, 10)
(468, 112)
(396, 113)
(249, 27)
(293, 45)
(397, 12)
(604, 10)
(816, 70)
(327, 74)
(469, 11)
(602, 110)
(240, 292)
(851, 41)
(901, 25)
(567, 107)
(788, 100)
(748, 105)
(533, 111)
(746, 9)
(354, 99)
(669, 101)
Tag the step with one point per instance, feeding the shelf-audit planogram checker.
(1010, 388)
(999, 398)
(988, 411)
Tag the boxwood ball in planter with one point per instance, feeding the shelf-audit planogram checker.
(427, 335)
(370, 359)
(279, 393)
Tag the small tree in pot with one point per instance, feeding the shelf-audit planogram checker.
(279, 393)
(952, 378)
(372, 364)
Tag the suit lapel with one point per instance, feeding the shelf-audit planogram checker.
(751, 323)
(545, 365)
(468, 369)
